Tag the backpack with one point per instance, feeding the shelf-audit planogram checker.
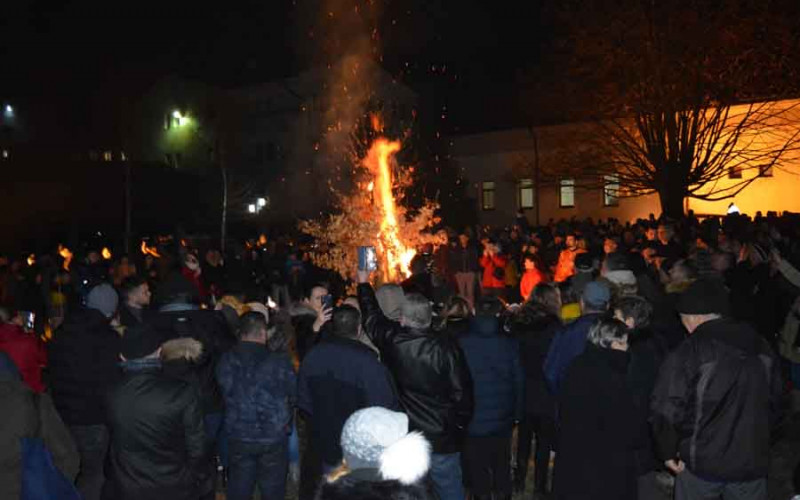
(40, 478)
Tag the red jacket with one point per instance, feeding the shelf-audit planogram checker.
(489, 264)
(26, 351)
(194, 279)
(530, 279)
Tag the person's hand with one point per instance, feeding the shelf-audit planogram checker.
(362, 276)
(323, 316)
(676, 466)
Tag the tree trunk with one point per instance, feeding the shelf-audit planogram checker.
(672, 195)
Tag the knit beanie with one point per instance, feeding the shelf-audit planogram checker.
(377, 438)
(103, 298)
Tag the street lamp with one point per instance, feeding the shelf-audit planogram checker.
(8, 111)
(182, 119)
(251, 208)
(262, 202)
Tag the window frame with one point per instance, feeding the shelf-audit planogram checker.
(526, 185)
(735, 172)
(493, 198)
(561, 187)
(609, 180)
(766, 171)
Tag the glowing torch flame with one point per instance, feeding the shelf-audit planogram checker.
(65, 254)
(31, 259)
(150, 250)
(106, 253)
(396, 255)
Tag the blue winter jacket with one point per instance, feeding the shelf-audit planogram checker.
(568, 344)
(260, 389)
(497, 376)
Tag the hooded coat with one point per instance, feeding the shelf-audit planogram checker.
(19, 420)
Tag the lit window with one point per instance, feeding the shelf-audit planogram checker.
(566, 193)
(123, 156)
(765, 171)
(5, 154)
(735, 172)
(610, 190)
(526, 194)
(107, 156)
(487, 195)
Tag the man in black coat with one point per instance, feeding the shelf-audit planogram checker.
(178, 317)
(136, 299)
(82, 359)
(715, 401)
(535, 325)
(157, 437)
(432, 377)
(499, 391)
(596, 419)
(647, 351)
(338, 377)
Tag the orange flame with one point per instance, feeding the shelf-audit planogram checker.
(397, 257)
(150, 250)
(65, 253)
(106, 253)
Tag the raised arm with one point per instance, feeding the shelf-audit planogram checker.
(377, 326)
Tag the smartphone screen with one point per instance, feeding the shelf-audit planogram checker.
(28, 319)
(367, 258)
(327, 301)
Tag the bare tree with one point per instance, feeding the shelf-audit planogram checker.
(680, 94)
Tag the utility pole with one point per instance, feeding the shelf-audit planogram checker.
(128, 208)
(224, 172)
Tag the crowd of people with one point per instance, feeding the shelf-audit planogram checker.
(630, 360)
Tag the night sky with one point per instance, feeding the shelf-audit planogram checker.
(56, 55)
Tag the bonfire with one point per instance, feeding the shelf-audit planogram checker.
(372, 215)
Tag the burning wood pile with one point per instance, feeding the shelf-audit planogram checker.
(373, 216)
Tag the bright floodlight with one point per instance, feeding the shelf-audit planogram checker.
(251, 208)
(262, 202)
(8, 110)
(176, 114)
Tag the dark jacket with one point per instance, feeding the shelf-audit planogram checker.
(432, 377)
(129, 317)
(260, 389)
(568, 344)
(463, 260)
(596, 429)
(535, 331)
(157, 435)
(83, 358)
(366, 484)
(338, 377)
(18, 420)
(211, 330)
(497, 377)
(715, 400)
(647, 351)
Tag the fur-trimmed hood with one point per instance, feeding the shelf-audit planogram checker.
(185, 348)
(367, 484)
